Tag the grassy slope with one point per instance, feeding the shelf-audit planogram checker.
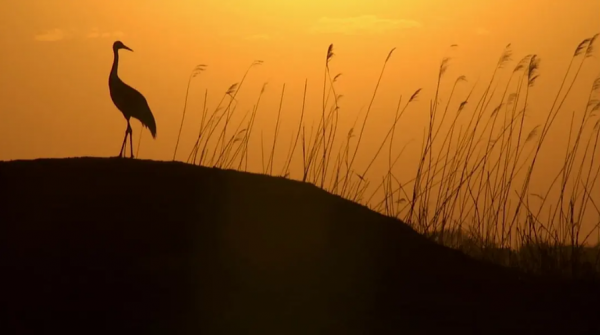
(109, 246)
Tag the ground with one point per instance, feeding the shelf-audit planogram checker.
(121, 246)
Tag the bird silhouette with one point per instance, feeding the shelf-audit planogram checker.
(129, 101)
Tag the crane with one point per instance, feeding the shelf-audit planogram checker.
(129, 101)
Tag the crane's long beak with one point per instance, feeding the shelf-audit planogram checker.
(127, 48)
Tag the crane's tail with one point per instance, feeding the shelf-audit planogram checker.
(148, 121)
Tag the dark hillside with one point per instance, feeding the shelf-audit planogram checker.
(119, 246)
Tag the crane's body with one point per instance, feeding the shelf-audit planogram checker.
(129, 101)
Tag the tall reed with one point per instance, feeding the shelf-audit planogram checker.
(471, 189)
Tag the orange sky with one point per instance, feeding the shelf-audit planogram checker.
(57, 54)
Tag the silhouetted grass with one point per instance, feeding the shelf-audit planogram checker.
(197, 70)
(471, 189)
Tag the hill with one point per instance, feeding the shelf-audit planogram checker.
(119, 246)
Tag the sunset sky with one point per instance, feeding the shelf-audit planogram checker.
(56, 57)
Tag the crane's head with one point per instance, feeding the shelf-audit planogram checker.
(119, 45)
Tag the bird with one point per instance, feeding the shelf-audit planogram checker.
(129, 101)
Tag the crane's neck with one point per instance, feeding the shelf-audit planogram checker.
(115, 66)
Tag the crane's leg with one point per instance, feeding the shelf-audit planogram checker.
(124, 141)
(130, 140)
